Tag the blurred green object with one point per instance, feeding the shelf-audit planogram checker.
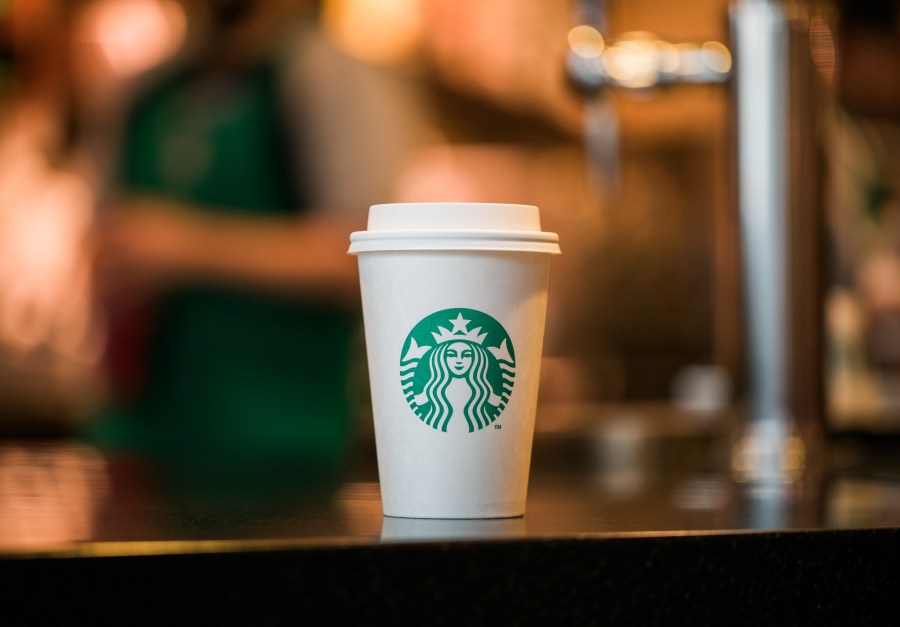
(236, 385)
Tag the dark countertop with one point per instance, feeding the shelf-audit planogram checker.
(667, 535)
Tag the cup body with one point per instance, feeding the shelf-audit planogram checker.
(454, 304)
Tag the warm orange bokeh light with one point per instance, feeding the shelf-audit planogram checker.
(379, 31)
(133, 35)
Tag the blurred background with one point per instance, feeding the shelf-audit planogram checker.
(152, 152)
(411, 100)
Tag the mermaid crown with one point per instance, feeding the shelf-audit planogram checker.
(460, 332)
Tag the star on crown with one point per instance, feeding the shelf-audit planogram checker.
(460, 331)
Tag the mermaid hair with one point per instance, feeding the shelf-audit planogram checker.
(476, 409)
(435, 390)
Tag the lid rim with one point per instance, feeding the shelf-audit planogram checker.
(540, 248)
(473, 234)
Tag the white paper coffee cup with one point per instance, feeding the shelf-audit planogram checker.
(454, 302)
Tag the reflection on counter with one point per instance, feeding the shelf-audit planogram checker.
(49, 495)
(434, 530)
(862, 503)
(70, 498)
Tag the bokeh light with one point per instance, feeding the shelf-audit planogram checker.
(134, 35)
(379, 31)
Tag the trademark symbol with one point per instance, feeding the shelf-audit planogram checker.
(498, 426)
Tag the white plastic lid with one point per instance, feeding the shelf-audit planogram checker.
(454, 226)
(458, 216)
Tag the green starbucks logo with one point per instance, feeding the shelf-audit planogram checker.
(457, 362)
